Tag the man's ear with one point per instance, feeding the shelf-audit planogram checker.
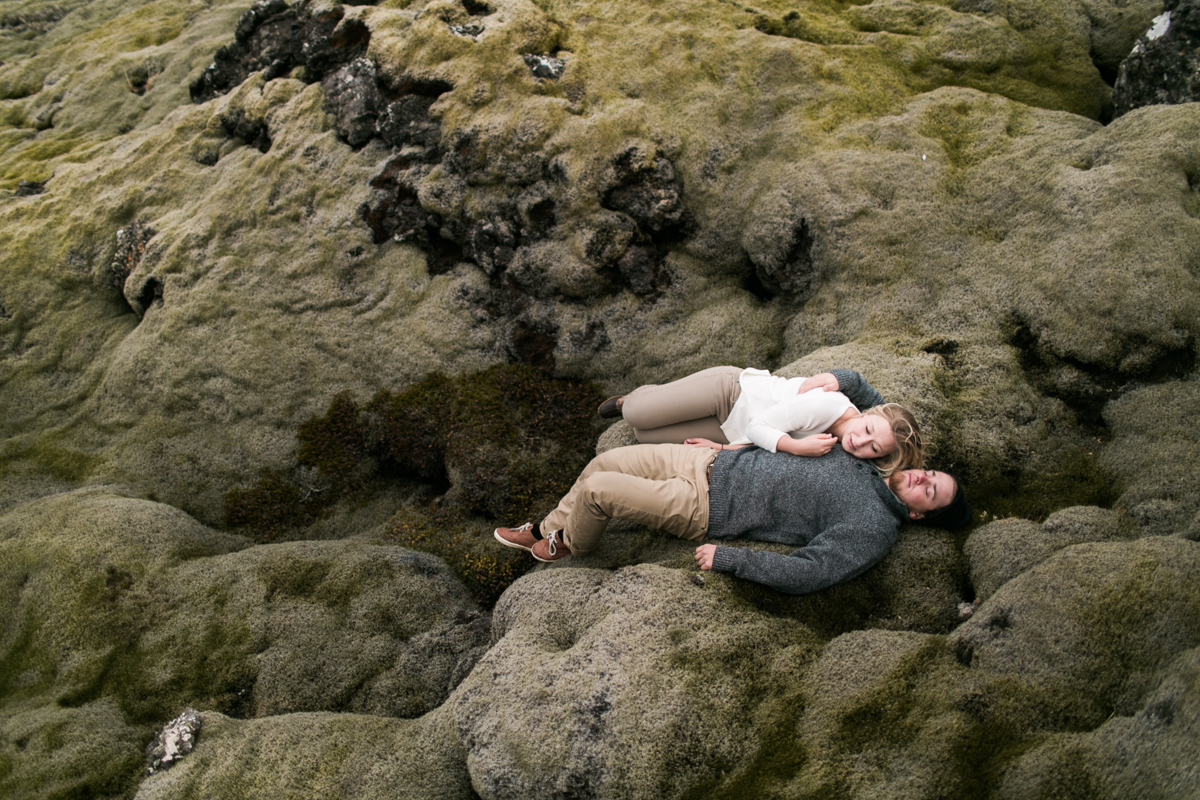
(915, 515)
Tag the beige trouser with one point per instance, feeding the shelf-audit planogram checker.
(691, 407)
(661, 485)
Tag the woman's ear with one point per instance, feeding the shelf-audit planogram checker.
(915, 515)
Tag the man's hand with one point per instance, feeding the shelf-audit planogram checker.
(826, 382)
(812, 446)
(704, 555)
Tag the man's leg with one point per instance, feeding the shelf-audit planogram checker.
(707, 393)
(664, 486)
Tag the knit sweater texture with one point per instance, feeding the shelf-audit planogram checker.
(854, 386)
(836, 509)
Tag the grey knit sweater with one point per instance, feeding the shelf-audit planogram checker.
(855, 387)
(836, 509)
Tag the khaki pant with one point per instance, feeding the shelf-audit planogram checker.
(661, 486)
(691, 407)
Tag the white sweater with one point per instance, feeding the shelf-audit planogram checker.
(768, 408)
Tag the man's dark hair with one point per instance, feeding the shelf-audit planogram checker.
(954, 516)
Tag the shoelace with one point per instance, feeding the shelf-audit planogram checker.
(552, 539)
(527, 526)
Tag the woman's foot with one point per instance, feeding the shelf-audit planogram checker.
(611, 407)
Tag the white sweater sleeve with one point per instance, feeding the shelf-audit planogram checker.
(799, 416)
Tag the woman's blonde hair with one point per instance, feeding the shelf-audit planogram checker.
(910, 445)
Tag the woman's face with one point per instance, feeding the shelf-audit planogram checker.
(868, 436)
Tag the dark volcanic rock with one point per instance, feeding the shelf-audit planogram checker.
(793, 276)
(545, 66)
(395, 212)
(276, 37)
(253, 132)
(1164, 67)
(29, 188)
(355, 99)
(652, 196)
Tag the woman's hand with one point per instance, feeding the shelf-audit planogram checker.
(826, 382)
(811, 446)
(709, 443)
(704, 555)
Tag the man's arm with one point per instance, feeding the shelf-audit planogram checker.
(838, 554)
(854, 386)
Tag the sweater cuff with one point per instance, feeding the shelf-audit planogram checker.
(844, 377)
(726, 559)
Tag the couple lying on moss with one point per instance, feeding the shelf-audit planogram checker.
(729, 453)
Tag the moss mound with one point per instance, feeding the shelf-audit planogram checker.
(503, 442)
(319, 755)
(130, 610)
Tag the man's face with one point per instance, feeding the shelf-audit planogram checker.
(868, 436)
(922, 490)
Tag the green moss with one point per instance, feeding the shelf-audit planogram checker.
(293, 577)
(52, 752)
(212, 665)
(961, 128)
(43, 148)
(771, 697)
(268, 507)
(507, 442)
(885, 717)
(408, 425)
(1063, 475)
(810, 27)
(336, 443)
(26, 669)
(776, 763)
(151, 25)
(517, 439)
(486, 571)
(48, 454)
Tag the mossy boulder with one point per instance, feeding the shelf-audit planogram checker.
(1154, 455)
(318, 755)
(1002, 550)
(1151, 753)
(635, 683)
(124, 598)
(1091, 628)
(917, 586)
(48, 750)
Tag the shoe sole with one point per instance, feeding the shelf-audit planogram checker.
(548, 560)
(507, 543)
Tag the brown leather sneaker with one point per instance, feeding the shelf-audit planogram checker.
(520, 538)
(552, 548)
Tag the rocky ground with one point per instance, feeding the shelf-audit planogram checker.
(239, 244)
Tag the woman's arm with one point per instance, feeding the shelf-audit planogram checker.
(816, 445)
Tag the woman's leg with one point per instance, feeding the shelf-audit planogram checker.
(708, 393)
(663, 487)
(707, 428)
